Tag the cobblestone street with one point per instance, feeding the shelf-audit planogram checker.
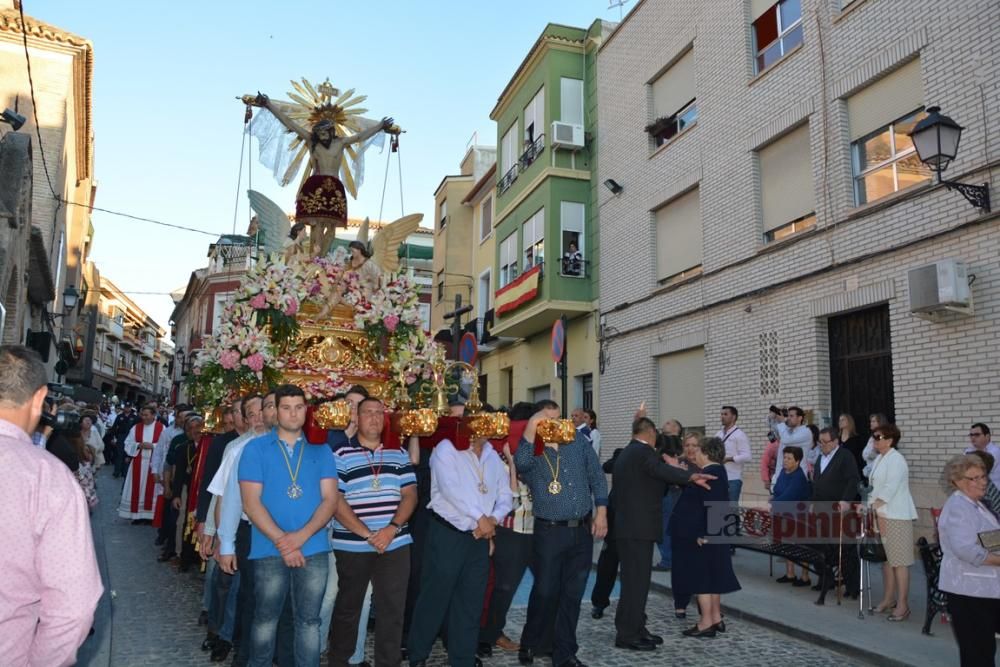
(148, 616)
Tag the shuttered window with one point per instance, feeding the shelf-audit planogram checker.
(786, 179)
(678, 236)
(682, 387)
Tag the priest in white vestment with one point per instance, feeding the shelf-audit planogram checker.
(139, 493)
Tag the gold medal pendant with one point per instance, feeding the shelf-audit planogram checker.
(483, 488)
(294, 491)
(376, 484)
(555, 487)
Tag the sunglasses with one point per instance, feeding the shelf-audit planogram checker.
(882, 436)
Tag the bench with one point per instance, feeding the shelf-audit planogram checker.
(937, 601)
(756, 522)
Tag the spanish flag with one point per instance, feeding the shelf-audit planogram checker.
(519, 292)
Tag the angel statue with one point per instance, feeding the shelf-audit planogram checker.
(370, 260)
(326, 125)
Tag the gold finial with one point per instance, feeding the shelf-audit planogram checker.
(327, 90)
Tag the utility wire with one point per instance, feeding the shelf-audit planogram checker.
(34, 106)
(140, 218)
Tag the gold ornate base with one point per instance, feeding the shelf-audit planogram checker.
(329, 355)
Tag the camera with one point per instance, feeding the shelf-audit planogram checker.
(62, 421)
(772, 436)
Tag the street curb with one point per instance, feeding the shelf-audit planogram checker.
(805, 635)
(96, 650)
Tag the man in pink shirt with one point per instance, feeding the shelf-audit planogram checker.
(51, 583)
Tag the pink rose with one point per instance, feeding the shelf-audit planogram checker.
(391, 322)
(259, 301)
(255, 362)
(293, 307)
(229, 359)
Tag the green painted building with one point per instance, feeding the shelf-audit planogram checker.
(545, 221)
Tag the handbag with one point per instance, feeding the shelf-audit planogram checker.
(871, 549)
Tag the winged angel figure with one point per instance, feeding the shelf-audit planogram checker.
(369, 260)
(323, 124)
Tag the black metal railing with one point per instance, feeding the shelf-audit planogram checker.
(507, 180)
(532, 152)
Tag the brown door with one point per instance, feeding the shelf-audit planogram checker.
(861, 365)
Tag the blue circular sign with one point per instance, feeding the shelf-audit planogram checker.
(468, 350)
(558, 340)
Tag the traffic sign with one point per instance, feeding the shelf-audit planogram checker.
(468, 349)
(558, 340)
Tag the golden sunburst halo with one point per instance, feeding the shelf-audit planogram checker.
(311, 104)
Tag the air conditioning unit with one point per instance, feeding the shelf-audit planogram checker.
(940, 291)
(567, 135)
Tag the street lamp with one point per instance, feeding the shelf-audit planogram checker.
(936, 139)
(70, 298)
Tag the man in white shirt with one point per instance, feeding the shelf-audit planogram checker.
(793, 433)
(737, 450)
(470, 495)
(981, 439)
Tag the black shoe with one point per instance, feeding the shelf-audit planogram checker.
(648, 636)
(784, 579)
(693, 631)
(136, 522)
(525, 656)
(418, 663)
(680, 614)
(202, 617)
(221, 650)
(720, 626)
(476, 662)
(209, 643)
(572, 662)
(484, 650)
(817, 587)
(163, 558)
(597, 612)
(159, 541)
(637, 645)
(800, 583)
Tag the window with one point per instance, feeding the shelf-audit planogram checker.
(508, 148)
(571, 101)
(533, 238)
(674, 105)
(777, 29)
(571, 222)
(880, 116)
(786, 185)
(440, 285)
(486, 219)
(534, 118)
(485, 293)
(585, 390)
(678, 238)
(508, 259)
(682, 387)
(425, 315)
(540, 393)
(443, 214)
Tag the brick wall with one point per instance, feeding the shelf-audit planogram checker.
(944, 374)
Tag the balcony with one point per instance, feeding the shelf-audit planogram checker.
(126, 375)
(523, 309)
(531, 153)
(131, 339)
(507, 180)
(148, 350)
(111, 325)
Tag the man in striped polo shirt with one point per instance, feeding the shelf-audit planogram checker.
(371, 537)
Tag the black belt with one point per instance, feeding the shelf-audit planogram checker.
(571, 523)
(448, 524)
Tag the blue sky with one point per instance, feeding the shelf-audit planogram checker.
(168, 127)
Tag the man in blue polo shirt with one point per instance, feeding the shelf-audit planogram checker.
(289, 491)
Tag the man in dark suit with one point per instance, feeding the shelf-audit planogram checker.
(640, 480)
(835, 486)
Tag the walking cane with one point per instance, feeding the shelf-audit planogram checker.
(862, 569)
(840, 556)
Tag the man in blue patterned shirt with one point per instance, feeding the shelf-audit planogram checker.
(371, 537)
(566, 483)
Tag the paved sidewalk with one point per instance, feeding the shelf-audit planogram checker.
(793, 611)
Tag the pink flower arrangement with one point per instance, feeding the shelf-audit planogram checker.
(391, 322)
(259, 301)
(255, 362)
(229, 359)
(293, 307)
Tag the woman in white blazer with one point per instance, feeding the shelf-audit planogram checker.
(892, 504)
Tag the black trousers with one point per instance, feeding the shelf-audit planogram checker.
(562, 559)
(456, 567)
(637, 568)
(975, 622)
(169, 527)
(389, 575)
(285, 645)
(511, 557)
(607, 568)
(419, 524)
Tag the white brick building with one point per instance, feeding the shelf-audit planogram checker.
(776, 207)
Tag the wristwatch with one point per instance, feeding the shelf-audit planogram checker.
(395, 525)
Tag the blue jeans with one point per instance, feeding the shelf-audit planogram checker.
(326, 613)
(735, 486)
(273, 582)
(669, 500)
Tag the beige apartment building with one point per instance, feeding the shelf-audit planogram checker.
(775, 239)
